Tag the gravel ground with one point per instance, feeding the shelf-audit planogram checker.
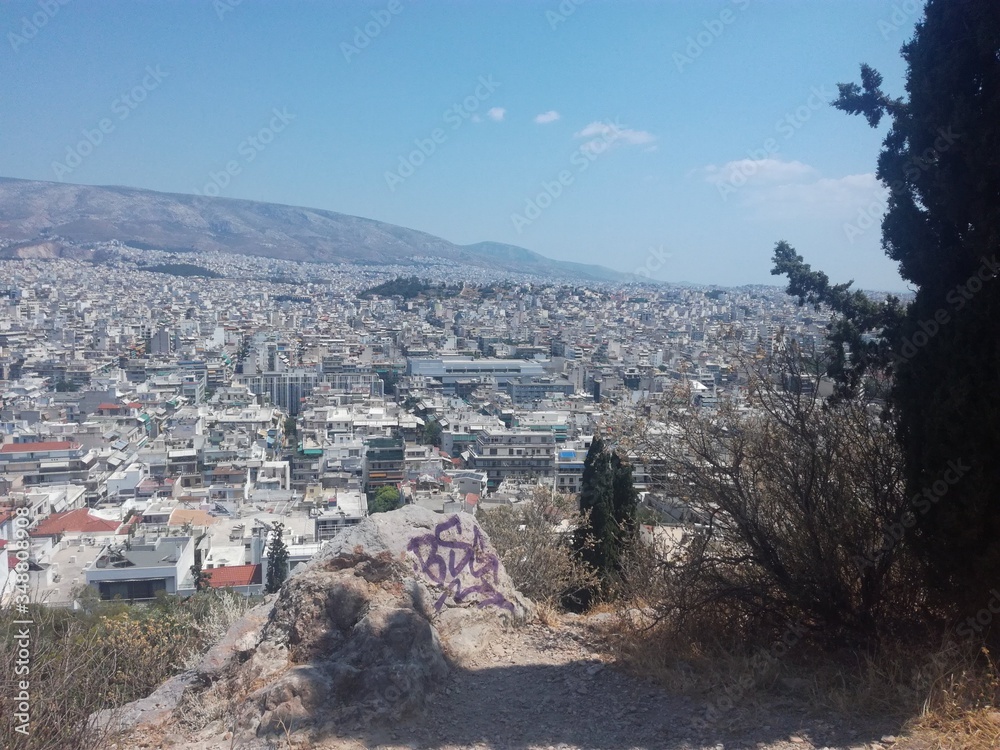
(551, 689)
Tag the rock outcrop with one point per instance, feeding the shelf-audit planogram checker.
(364, 632)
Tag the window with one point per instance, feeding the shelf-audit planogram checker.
(132, 590)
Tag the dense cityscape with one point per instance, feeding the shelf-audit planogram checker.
(558, 375)
(197, 406)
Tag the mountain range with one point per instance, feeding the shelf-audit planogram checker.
(54, 219)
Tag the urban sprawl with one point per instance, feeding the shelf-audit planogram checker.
(150, 418)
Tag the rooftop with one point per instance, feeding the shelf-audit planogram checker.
(234, 575)
(79, 521)
(54, 445)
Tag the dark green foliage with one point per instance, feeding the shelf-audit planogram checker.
(608, 497)
(201, 578)
(386, 499)
(277, 560)
(183, 269)
(851, 357)
(431, 433)
(941, 163)
(407, 288)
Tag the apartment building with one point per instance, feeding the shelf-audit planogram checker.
(514, 453)
(48, 462)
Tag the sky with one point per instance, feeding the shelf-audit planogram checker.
(676, 140)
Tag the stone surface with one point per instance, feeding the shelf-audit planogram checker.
(359, 650)
(365, 632)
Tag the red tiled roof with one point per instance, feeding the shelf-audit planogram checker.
(234, 575)
(36, 447)
(79, 521)
(106, 407)
(124, 528)
(471, 498)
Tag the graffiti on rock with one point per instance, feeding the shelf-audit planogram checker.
(464, 569)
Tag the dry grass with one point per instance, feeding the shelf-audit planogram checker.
(961, 711)
(548, 615)
(944, 698)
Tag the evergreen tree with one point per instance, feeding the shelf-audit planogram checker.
(608, 496)
(626, 504)
(277, 560)
(940, 162)
(201, 578)
(432, 433)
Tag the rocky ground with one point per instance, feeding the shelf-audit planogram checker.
(406, 633)
(545, 688)
(548, 688)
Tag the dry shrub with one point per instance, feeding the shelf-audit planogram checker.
(945, 697)
(102, 657)
(794, 504)
(68, 680)
(535, 543)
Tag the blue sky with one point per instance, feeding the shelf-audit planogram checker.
(678, 140)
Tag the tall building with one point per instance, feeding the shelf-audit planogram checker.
(514, 453)
(385, 460)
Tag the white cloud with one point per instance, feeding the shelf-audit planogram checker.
(496, 114)
(612, 131)
(603, 135)
(840, 197)
(546, 117)
(743, 171)
(775, 189)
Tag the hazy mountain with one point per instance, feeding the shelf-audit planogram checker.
(528, 261)
(37, 215)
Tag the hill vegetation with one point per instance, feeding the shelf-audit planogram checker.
(408, 288)
(183, 269)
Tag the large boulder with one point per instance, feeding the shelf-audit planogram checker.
(366, 630)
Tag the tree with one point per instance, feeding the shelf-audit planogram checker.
(386, 498)
(608, 499)
(432, 433)
(277, 560)
(201, 578)
(940, 162)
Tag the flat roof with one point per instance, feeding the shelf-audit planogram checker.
(53, 445)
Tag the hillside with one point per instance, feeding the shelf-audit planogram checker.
(49, 219)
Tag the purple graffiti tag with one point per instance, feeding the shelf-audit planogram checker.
(462, 557)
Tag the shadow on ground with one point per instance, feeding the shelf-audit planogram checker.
(587, 705)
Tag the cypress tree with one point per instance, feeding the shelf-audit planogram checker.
(940, 162)
(277, 560)
(607, 493)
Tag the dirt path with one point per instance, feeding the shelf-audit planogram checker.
(542, 688)
(551, 689)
